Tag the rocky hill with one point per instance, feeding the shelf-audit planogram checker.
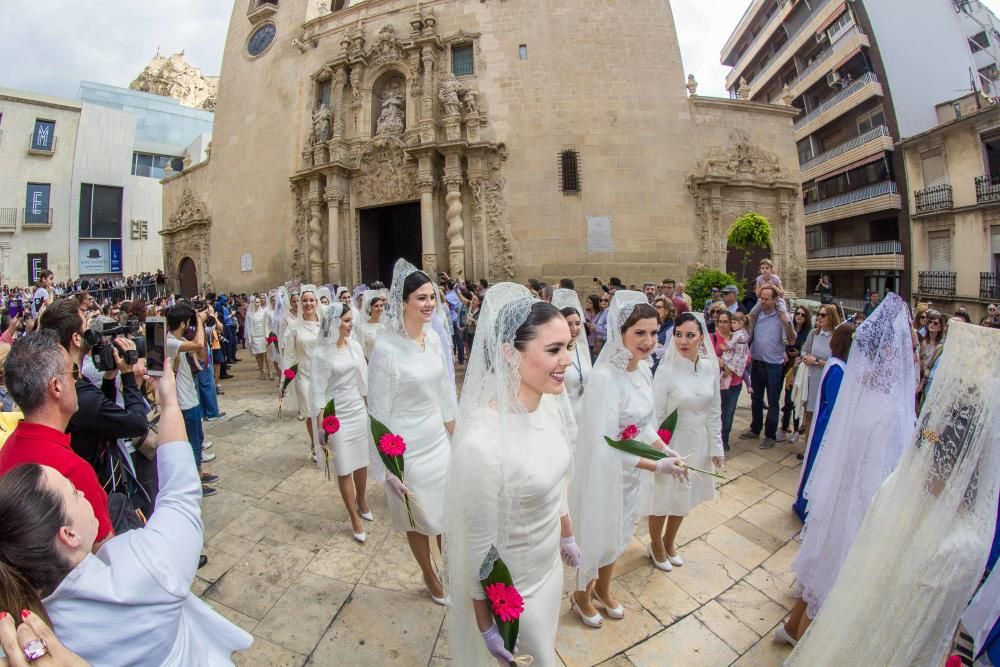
(172, 76)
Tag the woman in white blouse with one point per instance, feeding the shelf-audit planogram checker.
(688, 382)
(340, 374)
(409, 393)
(131, 603)
(299, 341)
(507, 483)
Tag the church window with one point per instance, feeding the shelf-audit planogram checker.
(260, 39)
(323, 89)
(522, 52)
(569, 171)
(462, 60)
(339, 4)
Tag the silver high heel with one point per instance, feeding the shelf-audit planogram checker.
(594, 621)
(617, 613)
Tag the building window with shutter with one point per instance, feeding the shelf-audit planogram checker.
(569, 171)
(939, 251)
(933, 166)
(462, 61)
(995, 248)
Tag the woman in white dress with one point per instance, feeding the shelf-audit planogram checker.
(256, 335)
(371, 310)
(568, 303)
(925, 541)
(300, 338)
(508, 477)
(607, 483)
(687, 381)
(276, 313)
(869, 428)
(409, 393)
(339, 372)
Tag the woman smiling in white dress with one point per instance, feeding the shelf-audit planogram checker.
(339, 372)
(607, 483)
(687, 381)
(370, 325)
(568, 303)
(507, 483)
(257, 321)
(410, 395)
(299, 341)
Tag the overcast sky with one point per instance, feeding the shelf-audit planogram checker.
(49, 46)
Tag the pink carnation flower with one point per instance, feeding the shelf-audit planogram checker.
(331, 424)
(289, 374)
(665, 435)
(506, 602)
(391, 444)
(630, 432)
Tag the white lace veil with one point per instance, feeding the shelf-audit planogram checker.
(393, 315)
(361, 324)
(483, 495)
(323, 355)
(869, 428)
(567, 298)
(320, 293)
(706, 359)
(302, 292)
(922, 548)
(596, 494)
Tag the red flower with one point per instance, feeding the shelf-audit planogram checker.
(506, 601)
(630, 432)
(391, 444)
(331, 424)
(665, 435)
(953, 661)
(289, 374)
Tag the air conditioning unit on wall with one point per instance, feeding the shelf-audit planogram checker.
(833, 79)
(821, 37)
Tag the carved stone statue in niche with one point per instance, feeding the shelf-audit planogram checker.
(451, 92)
(321, 124)
(392, 115)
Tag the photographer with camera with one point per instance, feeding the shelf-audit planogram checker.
(185, 348)
(100, 422)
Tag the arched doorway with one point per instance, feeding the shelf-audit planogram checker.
(188, 278)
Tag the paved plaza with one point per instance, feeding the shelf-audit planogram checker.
(283, 565)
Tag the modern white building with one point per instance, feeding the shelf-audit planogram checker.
(80, 189)
(864, 74)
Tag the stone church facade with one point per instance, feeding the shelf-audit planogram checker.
(494, 139)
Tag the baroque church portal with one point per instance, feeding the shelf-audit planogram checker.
(487, 138)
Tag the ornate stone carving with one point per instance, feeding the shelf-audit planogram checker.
(387, 48)
(450, 92)
(392, 119)
(321, 125)
(742, 159)
(692, 85)
(189, 212)
(456, 226)
(315, 240)
(386, 175)
(501, 259)
(744, 90)
(429, 264)
(188, 234)
(300, 226)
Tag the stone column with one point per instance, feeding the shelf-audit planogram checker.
(429, 90)
(333, 196)
(315, 237)
(429, 251)
(456, 227)
(337, 102)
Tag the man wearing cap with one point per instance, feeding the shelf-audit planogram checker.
(730, 297)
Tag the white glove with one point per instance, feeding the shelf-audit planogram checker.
(396, 485)
(494, 644)
(570, 551)
(672, 465)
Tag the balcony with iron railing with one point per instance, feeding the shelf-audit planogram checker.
(849, 41)
(35, 147)
(36, 218)
(261, 9)
(987, 188)
(857, 250)
(936, 283)
(936, 198)
(989, 286)
(874, 198)
(8, 219)
(874, 190)
(759, 42)
(836, 105)
(872, 142)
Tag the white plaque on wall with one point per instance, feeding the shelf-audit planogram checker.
(599, 234)
(246, 263)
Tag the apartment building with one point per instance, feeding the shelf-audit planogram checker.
(80, 189)
(954, 173)
(864, 73)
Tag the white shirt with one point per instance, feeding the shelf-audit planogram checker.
(187, 391)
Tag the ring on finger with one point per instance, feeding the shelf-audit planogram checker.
(35, 649)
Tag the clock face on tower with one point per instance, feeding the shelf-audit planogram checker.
(261, 39)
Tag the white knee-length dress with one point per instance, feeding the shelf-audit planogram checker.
(300, 339)
(347, 386)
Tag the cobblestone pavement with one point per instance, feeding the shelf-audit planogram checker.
(283, 565)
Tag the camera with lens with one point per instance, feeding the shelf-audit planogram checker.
(102, 343)
(199, 304)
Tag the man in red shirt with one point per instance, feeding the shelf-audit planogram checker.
(39, 374)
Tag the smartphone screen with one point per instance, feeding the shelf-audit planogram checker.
(156, 345)
(15, 308)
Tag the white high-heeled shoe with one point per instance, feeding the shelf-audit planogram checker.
(781, 635)
(617, 613)
(660, 564)
(676, 561)
(367, 516)
(594, 621)
(360, 537)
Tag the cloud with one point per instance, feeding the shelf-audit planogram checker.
(49, 46)
(702, 29)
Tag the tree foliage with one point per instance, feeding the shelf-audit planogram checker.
(699, 284)
(748, 230)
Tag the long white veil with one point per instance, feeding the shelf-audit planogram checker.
(481, 494)
(567, 298)
(922, 548)
(323, 355)
(595, 497)
(867, 433)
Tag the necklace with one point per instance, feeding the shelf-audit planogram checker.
(578, 365)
